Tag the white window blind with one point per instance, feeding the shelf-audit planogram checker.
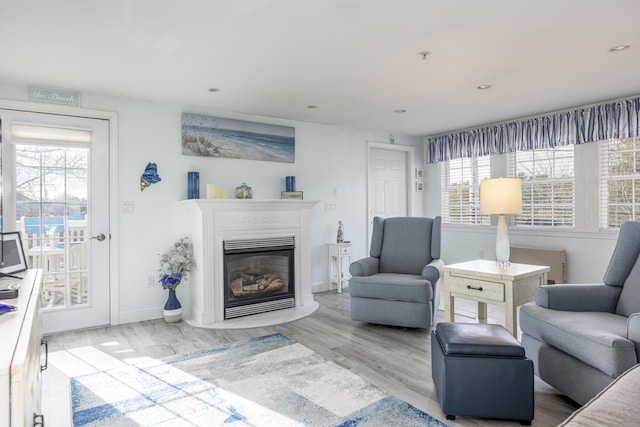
(620, 182)
(461, 190)
(548, 186)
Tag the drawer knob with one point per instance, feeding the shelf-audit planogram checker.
(474, 288)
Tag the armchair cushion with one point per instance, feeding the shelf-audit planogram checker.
(391, 286)
(583, 297)
(596, 338)
(401, 234)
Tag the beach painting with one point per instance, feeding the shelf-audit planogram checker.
(237, 139)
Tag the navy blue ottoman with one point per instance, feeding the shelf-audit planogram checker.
(481, 370)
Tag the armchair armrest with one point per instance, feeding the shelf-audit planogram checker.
(580, 297)
(433, 271)
(633, 327)
(633, 331)
(364, 267)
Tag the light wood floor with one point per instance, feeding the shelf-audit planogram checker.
(396, 360)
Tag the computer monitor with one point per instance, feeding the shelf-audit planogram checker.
(12, 259)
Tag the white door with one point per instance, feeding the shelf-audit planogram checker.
(390, 181)
(56, 193)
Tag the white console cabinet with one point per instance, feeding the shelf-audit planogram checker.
(21, 363)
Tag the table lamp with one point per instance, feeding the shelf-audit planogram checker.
(501, 196)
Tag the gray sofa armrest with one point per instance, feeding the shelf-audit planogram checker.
(579, 297)
(433, 271)
(364, 267)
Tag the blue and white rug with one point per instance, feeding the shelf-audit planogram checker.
(266, 381)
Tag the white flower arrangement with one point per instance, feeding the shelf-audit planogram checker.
(176, 263)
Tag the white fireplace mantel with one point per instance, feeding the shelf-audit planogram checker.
(212, 221)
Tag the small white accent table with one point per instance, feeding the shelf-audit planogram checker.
(338, 254)
(487, 282)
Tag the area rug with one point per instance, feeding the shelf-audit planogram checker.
(266, 381)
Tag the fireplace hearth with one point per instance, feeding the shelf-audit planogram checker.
(258, 276)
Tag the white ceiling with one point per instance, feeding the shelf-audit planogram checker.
(356, 60)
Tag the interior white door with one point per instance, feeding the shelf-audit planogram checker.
(389, 181)
(56, 193)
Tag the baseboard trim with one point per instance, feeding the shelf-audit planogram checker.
(140, 315)
(326, 286)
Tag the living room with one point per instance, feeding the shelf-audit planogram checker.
(331, 154)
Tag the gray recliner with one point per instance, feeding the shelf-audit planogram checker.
(400, 280)
(581, 337)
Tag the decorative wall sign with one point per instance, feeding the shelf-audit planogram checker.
(294, 195)
(238, 139)
(58, 97)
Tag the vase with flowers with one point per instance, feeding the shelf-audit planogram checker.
(175, 264)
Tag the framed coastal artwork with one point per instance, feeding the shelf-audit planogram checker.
(237, 139)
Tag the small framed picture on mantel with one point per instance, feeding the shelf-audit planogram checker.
(291, 195)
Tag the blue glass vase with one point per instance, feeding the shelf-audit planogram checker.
(193, 185)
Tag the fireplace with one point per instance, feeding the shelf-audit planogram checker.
(212, 222)
(258, 276)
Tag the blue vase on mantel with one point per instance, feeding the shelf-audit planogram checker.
(172, 309)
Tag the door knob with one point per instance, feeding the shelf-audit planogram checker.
(100, 237)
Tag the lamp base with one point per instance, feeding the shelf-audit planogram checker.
(502, 242)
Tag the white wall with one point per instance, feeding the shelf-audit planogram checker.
(588, 253)
(327, 157)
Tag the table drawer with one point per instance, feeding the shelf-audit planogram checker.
(477, 288)
(345, 250)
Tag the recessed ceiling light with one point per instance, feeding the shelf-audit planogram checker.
(424, 54)
(215, 89)
(483, 87)
(400, 111)
(619, 48)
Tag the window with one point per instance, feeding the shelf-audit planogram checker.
(620, 182)
(51, 207)
(461, 190)
(548, 186)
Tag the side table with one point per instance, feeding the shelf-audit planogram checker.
(487, 282)
(338, 254)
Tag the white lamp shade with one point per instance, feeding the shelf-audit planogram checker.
(501, 196)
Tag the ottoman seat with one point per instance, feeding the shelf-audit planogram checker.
(481, 370)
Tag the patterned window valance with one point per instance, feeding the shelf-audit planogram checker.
(617, 119)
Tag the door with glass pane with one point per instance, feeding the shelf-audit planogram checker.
(60, 193)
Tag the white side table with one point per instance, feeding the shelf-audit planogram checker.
(486, 282)
(339, 253)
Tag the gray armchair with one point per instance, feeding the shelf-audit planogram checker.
(581, 337)
(399, 283)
